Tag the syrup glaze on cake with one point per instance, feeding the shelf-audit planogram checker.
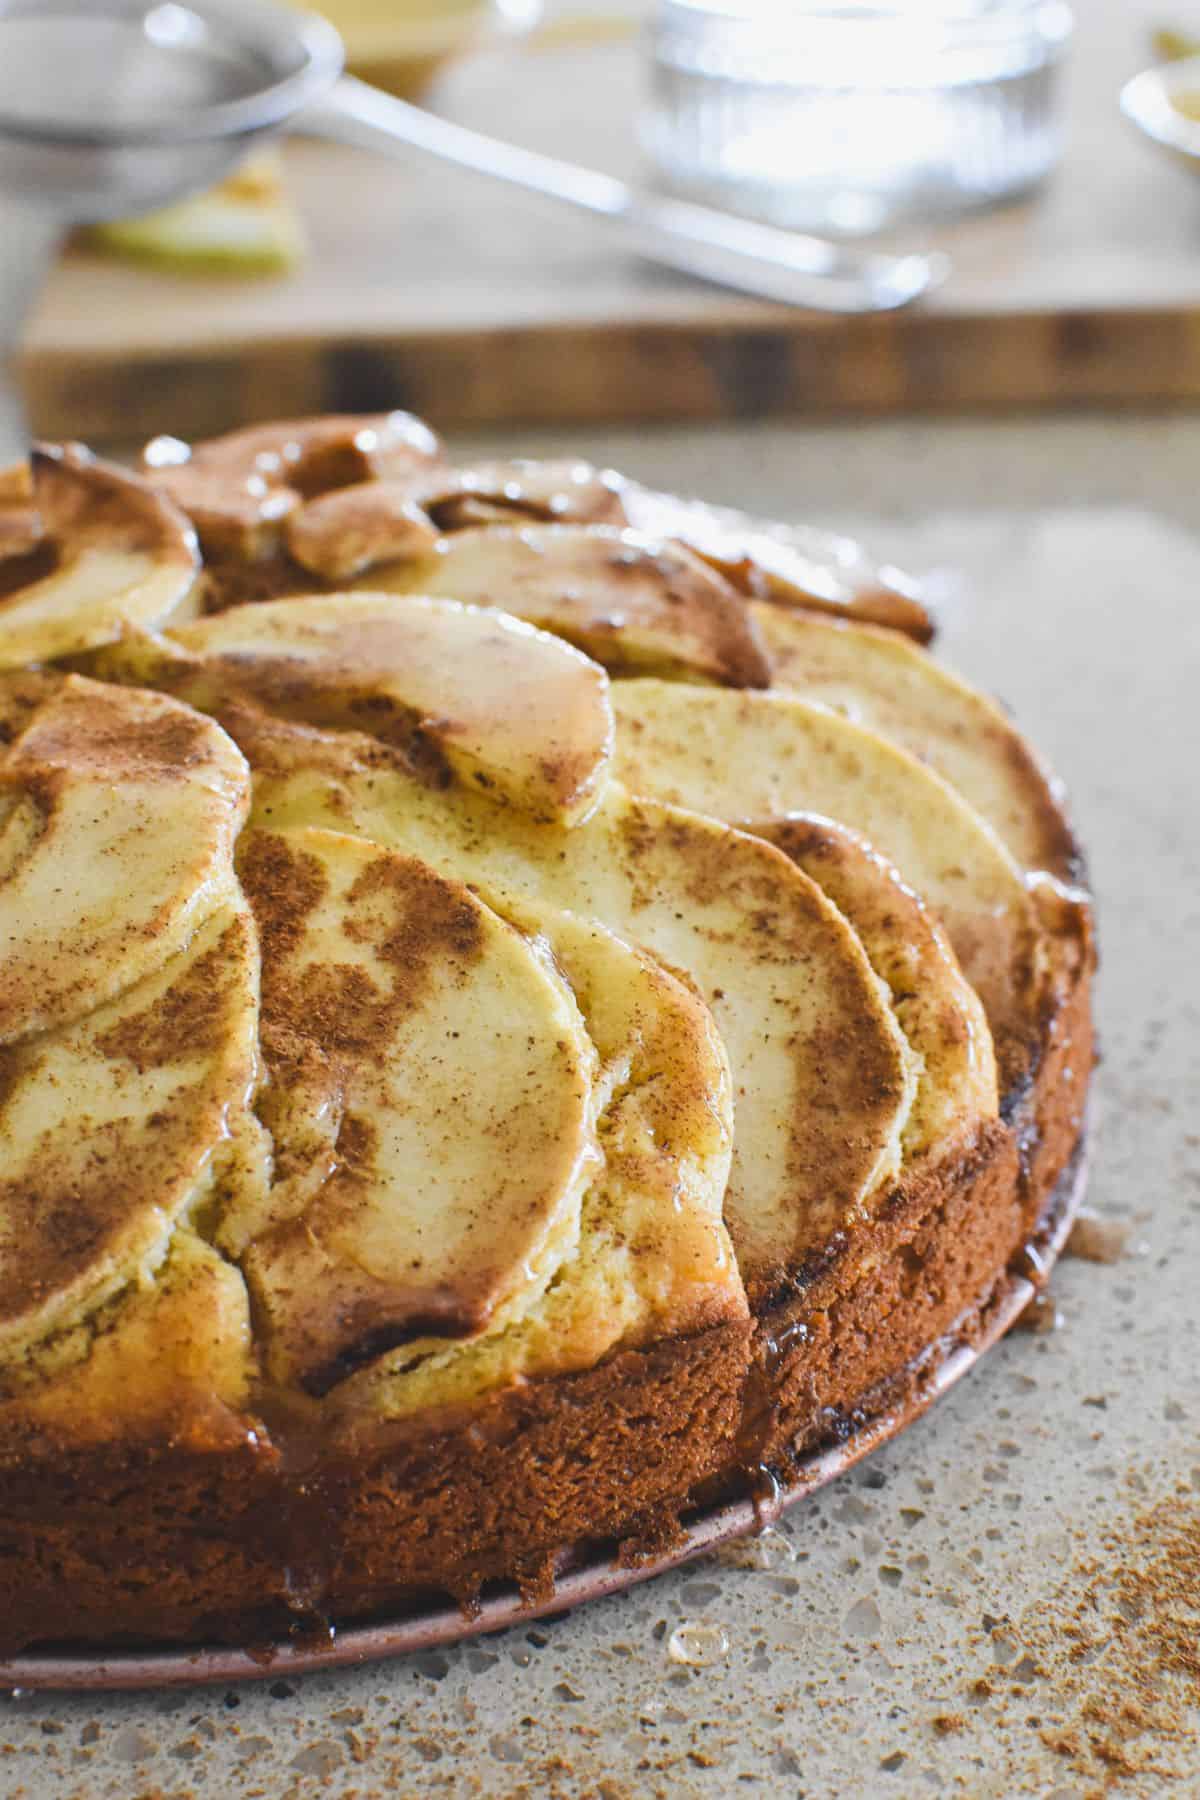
(525, 1002)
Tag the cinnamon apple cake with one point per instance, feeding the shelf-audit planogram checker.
(525, 1004)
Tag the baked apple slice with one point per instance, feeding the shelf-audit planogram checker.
(653, 1259)
(631, 601)
(20, 525)
(447, 1063)
(169, 1357)
(793, 566)
(114, 1126)
(86, 550)
(561, 491)
(340, 536)
(454, 688)
(118, 814)
(882, 680)
(939, 1011)
(752, 757)
(239, 489)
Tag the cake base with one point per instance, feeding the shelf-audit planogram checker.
(879, 1416)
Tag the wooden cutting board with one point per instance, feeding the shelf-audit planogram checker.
(435, 290)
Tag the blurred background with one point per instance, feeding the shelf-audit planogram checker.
(319, 276)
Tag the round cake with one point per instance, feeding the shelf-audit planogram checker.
(527, 1007)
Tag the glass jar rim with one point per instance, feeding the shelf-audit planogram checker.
(958, 21)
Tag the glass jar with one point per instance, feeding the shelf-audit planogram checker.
(847, 118)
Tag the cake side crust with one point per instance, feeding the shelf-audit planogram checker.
(173, 1543)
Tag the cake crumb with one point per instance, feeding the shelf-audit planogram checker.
(1097, 1238)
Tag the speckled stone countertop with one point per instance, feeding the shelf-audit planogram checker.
(1006, 1600)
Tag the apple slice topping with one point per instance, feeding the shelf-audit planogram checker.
(86, 551)
(452, 689)
(636, 604)
(239, 489)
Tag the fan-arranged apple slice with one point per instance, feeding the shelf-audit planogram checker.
(558, 492)
(341, 535)
(455, 688)
(168, 1356)
(653, 1257)
(449, 1062)
(752, 757)
(20, 526)
(111, 1126)
(240, 488)
(823, 1078)
(632, 602)
(86, 550)
(939, 1012)
(118, 813)
(665, 1108)
(792, 566)
(882, 680)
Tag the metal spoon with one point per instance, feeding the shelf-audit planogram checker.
(111, 107)
(762, 260)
